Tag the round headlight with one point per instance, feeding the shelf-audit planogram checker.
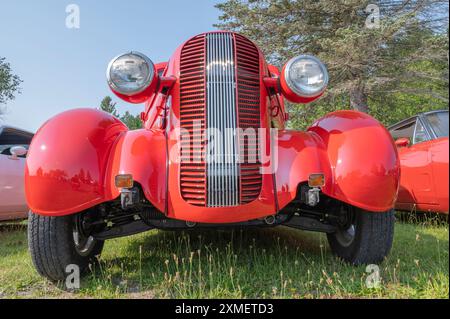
(130, 73)
(306, 76)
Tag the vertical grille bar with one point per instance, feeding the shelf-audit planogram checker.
(222, 166)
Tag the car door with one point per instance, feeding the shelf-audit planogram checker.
(439, 167)
(417, 185)
(439, 129)
(405, 198)
(12, 195)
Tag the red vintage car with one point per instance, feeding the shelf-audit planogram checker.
(215, 152)
(422, 143)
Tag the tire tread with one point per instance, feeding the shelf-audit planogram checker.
(373, 239)
(52, 248)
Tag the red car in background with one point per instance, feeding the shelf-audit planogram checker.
(14, 145)
(422, 143)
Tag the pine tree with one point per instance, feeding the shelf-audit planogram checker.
(108, 106)
(367, 61)
(9, 83)
(133, 122)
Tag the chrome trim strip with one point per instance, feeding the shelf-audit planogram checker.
(222, 154)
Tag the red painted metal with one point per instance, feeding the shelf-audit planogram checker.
(338, 146)
(279, 117)
(353, 150)
(66, 167)
(161, 67)
(141, 153)
(363, 160)
(424, 177)
(402, 142)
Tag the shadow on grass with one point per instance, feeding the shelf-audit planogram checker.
(239, 262)
(239, 241)
(271, 262)
(155, 249)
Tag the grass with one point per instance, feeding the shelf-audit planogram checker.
(249, 263)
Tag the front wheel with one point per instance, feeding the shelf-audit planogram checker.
(366, 238)
(56, 242)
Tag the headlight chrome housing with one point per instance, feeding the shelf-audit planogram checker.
(304, 79)
(131, 75)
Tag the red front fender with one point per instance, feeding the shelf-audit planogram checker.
(65, 170)
(141, 153)
(75, 156)
(353, 150)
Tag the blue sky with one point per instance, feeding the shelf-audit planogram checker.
(65, 68)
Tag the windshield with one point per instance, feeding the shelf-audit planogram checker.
(439, 123)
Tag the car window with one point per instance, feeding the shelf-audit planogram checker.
(15, 137)
(406, 130)
(439, 123)
(420, 134)
(10, 137)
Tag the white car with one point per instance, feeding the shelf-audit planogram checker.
(14, 145)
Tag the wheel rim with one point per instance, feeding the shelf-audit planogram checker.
(345, 237)
(84, 244)
(346, 233)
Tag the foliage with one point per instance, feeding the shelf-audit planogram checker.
(9, 82)
(131, 121)
(108, 106)
(399, 68)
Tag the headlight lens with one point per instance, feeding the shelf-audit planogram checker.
(306, 75)
(130, 73)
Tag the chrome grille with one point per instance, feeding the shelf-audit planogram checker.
(219, 89)
(222, 149)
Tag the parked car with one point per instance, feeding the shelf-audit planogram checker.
(14, 145)
(422, 142)
(214, 152)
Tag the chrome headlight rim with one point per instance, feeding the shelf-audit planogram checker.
(148, 79)
(294, 87)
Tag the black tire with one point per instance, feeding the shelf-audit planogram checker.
(51, 242)
(372, 238)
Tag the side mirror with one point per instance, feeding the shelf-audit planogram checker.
(402, 142)
(17, 151)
